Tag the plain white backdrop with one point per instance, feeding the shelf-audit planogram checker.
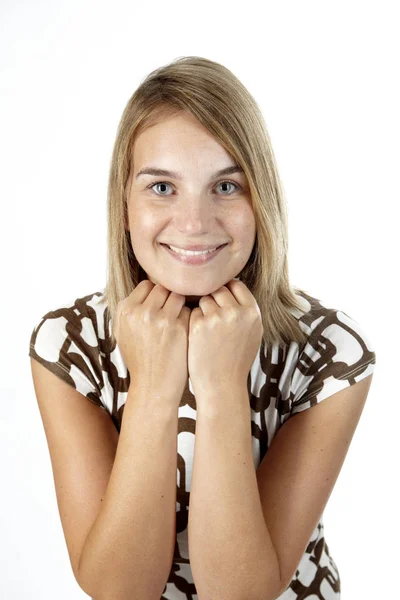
(325, 75)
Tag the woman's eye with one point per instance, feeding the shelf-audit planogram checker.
(228, 183)
(159, 183)
(221, 183)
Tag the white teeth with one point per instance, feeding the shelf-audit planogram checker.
(191, 252)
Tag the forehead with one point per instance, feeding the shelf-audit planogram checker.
(181, 138)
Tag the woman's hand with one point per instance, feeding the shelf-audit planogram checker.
(151, 329)
(225, 333)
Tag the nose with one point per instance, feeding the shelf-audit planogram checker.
(195, 214)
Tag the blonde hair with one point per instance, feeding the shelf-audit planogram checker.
(222, 104)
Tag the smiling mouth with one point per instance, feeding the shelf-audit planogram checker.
(194, 259)
(199, 252)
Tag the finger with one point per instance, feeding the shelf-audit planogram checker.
(185, 315)
(174, 304)
(241, 293)
(140, 292)
(206, 305)
(195, 314)
(225, 296)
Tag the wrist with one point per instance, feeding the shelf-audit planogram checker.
(163, 402)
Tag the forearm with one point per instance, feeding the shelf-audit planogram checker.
(129, 550)
(231, 552)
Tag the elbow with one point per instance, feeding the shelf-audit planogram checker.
(271, 592)
(104, 581)
(86, 585)
(105, 593)
(268, 590)
(83, 580)
(109, 587)
(111, 590)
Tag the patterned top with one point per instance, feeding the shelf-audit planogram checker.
(73, 341)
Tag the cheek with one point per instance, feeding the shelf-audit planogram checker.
(251, 225)
(244, 228)
(144, 227)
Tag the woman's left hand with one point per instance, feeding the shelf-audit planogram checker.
(225, 333)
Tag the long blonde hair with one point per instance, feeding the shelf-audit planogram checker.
(220, 102)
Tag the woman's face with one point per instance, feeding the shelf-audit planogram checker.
(192, 207)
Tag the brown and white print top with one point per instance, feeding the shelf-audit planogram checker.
(73, 341)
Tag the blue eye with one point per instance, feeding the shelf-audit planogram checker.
(230, 183)
(158, 183)
(167, 183)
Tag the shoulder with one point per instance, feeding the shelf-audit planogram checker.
(319, 319)
(68, 340)
(338, 353)
(82, 315)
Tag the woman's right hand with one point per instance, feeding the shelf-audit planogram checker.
(152, 331)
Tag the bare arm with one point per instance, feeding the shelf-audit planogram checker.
(129, 550)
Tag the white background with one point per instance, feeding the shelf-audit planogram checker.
(325, 75)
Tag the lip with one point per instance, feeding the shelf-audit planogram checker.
(193, 260)
(194, 248)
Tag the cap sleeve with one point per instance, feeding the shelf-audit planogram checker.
(66, 344)
(338, 354)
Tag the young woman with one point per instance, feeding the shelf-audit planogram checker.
(223, 400)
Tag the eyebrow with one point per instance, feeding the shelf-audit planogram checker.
(164, 172)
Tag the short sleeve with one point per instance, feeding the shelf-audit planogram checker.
(65, 343)
(338, 354)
